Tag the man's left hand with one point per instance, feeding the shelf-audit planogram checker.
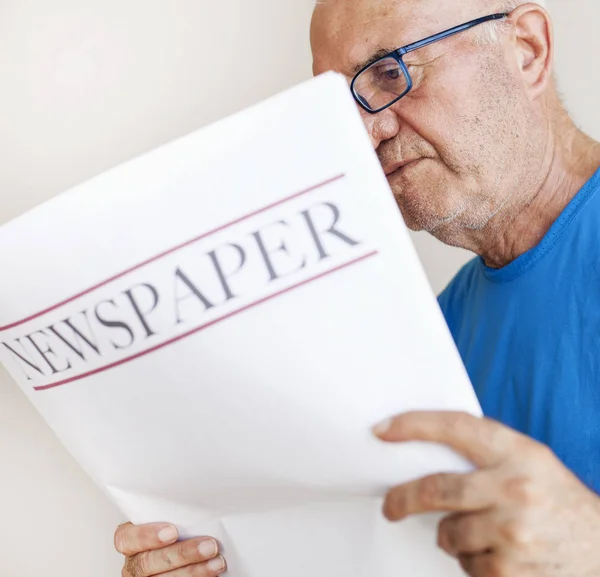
(521, 513)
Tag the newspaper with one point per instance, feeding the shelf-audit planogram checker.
(213, 328)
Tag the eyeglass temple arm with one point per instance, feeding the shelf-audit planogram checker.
(450, 32)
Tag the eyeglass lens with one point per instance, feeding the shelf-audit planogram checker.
(383, 82)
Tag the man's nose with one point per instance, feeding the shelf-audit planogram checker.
(382, 126)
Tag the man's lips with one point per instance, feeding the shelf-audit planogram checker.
(389, 170)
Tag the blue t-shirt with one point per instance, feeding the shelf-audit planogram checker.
(529, 335)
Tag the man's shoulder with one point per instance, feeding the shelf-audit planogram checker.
(452, 297)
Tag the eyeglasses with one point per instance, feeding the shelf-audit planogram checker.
(386, 80)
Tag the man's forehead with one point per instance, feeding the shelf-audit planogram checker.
(346, 33)
(334, 16)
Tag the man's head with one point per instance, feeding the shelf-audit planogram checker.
(477, 118)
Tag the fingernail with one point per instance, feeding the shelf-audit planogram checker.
(208, 549)
(167, 534)
(383, 427)
(216, 565)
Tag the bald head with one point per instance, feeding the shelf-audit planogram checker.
(473, 127)
(330, 15)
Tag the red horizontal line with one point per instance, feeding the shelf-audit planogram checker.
(207, 325)
(172, 250)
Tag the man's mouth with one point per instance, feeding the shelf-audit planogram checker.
(399, 166)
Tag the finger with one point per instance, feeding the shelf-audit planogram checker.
(443, 492)
(132, 539)
(466, 534)
(175, 556)
(486, 565)
(212, 568)
(484, 442)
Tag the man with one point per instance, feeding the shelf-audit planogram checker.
(479, 152)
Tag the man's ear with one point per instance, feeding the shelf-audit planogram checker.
(533, 37)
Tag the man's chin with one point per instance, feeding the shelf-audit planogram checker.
(418, 218)
(413, 225)
(425, 212)
(415, 201)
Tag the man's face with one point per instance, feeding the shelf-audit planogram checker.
(452, 147)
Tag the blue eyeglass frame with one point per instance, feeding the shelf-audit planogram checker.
(400, 52)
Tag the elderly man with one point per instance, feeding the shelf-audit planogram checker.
(460, 103)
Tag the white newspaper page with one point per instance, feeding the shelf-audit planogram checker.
(213, 328)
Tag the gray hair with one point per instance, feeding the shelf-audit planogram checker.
(491, 32)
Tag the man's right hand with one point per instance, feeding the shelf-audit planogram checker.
(152, 550)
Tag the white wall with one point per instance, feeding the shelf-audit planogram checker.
(85, 84)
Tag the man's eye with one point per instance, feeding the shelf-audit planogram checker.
(389, 73)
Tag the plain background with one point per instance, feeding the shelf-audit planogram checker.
(87, 84)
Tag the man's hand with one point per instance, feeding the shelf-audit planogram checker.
(153, 550)
(520, 514)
